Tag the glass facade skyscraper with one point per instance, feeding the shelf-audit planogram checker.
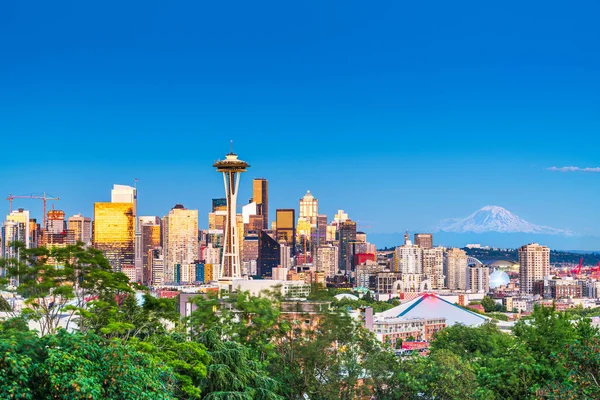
(114, 233)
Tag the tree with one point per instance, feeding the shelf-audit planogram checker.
(232, 372)
(488, 304)
(63, 280)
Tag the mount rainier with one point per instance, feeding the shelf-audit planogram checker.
(496, 219)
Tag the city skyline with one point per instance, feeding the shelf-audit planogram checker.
(466, 114)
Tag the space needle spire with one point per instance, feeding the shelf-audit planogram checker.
(231, 167)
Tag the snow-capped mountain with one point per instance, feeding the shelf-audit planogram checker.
(496, 219)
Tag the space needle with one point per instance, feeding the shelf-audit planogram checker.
(231, 167)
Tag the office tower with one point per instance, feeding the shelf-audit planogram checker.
(34, 233)
(16, 228)
(327, 260)
(424, 240)
(286, 227)
(285, 256)
(80, 228)
(331, 232)
(534, 265)
(260, 195)
(250, 209)
(114, 233)
(231, 168)
(128, 194)
(408, 261)
(456, 269)
(180, 241)
(346, 235)
(321, 238)
(268, 254)
(478, 278)
(56, 222)
(255, 223)
(361, 237)
(341, 216)
(309, 208)
(433, 266)
(219, 205)
(150, 228)
(250, 248)
(55, 234)
(156, 265)
(303, 233)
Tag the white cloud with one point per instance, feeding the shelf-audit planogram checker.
(574, 169)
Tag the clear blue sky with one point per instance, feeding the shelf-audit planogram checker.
(400, 113)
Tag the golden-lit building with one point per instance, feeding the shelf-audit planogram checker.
(114, 232)
(286, 227)
(303, 229)
(80, 229)
(180, 240)
(260, 195)
(309, 208)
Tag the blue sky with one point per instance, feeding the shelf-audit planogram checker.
(401, 114)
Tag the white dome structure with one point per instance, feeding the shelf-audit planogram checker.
(498, 278)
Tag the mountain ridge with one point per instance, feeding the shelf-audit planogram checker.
(496, 219)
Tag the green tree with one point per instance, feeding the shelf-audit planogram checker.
(233, 373)
(488, 304)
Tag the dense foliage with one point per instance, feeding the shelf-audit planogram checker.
(244, 347)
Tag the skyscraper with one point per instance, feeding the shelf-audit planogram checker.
(80, 228)
(16, 228)
(321, 238)
(327, 260)
(180, 240)
(409, 262)
(286, 227)
(456, 269)
(114, 232)
(433, 266)
(260, 195)
(268, 255)
(346, 235)
(534, 265)
(309, 208)
(150, 228)
(128, 194)
(478, 278)
(231, 168)
(424, 240)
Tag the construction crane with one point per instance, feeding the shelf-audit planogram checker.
(577, 270)
(44, 199)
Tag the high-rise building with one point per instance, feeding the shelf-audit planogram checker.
(424, 240)
(346, 235)
(321, 238)
(127, 194)
(16, 228)
(284, 256)
(341, 216)
(56, 222)
(534, 265)
(219, 205)
(80, 228)
(478, 278)
(408, 261)
(180, 240)
(286, 227)
(156, 265)
(433, 266)
(327, 260)
(114, 233)
(231, 168)
(268, 254)
(309, 208)
(249, 210)
(456, 269)
(260, 195)
(55, 234)
(150, 227)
